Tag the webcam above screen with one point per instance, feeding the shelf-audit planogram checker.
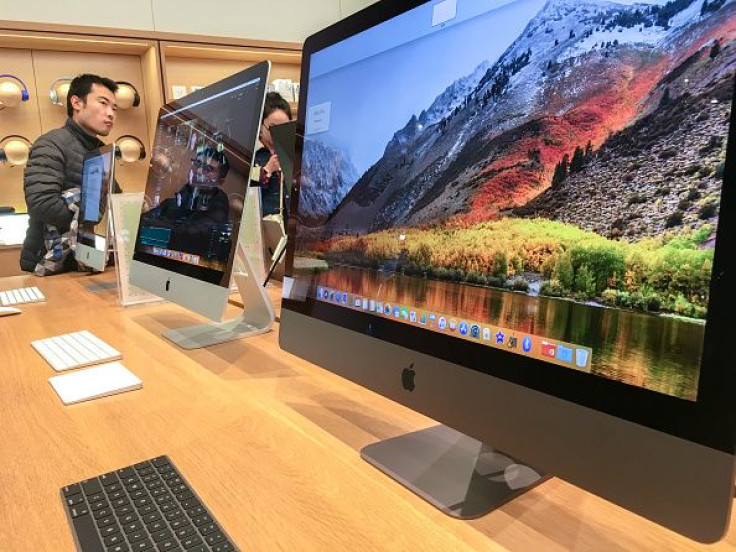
(526, 227)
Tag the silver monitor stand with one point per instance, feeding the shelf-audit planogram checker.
(257, 318)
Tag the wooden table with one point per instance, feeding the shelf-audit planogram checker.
(270, 442)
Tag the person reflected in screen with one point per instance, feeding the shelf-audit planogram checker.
(267, 170)
(200, 207)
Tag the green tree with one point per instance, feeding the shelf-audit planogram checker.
(585, 282)
(563, 272)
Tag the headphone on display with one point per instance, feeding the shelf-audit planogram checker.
(125, 155)
(17, 154)
(54, 90)
(24, 95)
(136, 96)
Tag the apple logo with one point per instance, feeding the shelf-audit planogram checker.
(407, 378)
(168, 283)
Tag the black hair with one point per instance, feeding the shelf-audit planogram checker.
(212, 154)
(81, 85)
(275, 101)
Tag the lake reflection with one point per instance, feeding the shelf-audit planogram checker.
(658, 353)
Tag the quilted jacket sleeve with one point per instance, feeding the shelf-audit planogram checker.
(43, 184)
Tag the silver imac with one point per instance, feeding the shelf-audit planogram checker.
(526, 210)
(187, 239)
(93, 229)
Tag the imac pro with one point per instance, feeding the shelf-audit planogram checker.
(525, 213)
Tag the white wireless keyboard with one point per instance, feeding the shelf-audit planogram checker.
(74, 350)
(21, 295)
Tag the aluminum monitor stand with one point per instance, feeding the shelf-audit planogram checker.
(455, 473)
(257, 318)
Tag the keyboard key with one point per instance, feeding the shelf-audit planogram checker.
(71, 490)
(224, 546)
(196, 511)
(129, 518)
(75, 499)
(169, 545)
(123, 510)
(99, 505)
(142, 465)
(79, 510)
(96, 497)
(137, 536)
(147, 509)
(116, 495)
(202, 520)
(208, 528)
(191, 542)
(101, 513)
(117, 538)
(214, 538)
(160, 461)
(104, 522)
(191, 503)
(167, 507)
(150, 518)
(119, 548)
(108, 479)
(185, 532)
(179, 523)
(142, 546)
(91, 487)
(156, 526)
(132, 527)
(160, 536)
(126, 472)
(174, 514)
(110, 530)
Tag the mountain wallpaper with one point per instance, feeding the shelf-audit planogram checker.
(585, 162)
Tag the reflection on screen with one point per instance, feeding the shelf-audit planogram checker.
(538, 176)
(92, 229)
(199, 171)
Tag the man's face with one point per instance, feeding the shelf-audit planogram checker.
(205, 172)
(96, 113)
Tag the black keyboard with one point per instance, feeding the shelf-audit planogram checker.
(145, 507)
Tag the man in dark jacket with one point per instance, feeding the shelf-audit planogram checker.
(200, 209)
(55, 162)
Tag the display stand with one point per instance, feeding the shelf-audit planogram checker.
(248, 272)
(126, 213)
(455, 473)
(257, 318)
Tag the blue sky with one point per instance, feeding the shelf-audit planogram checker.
(373, 98)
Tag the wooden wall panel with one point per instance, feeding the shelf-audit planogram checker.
(23, 120)
(51, 65)
(201, 72)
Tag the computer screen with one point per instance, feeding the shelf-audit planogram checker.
(93, 221)
(533, 190)
(198, 177)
